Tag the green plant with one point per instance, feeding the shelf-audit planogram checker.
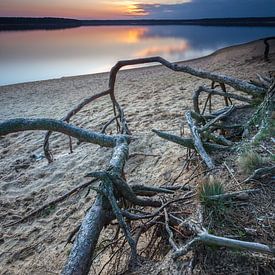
(249, 161)
(210, 188)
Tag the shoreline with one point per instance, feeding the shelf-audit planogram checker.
(142, 67)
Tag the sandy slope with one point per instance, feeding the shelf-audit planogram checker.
(152, 98)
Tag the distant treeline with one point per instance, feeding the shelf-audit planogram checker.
(29, 23)
(26, 23)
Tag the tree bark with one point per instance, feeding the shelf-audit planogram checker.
(22, 124)
(79, 261)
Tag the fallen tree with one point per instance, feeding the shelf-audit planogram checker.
(114, 194)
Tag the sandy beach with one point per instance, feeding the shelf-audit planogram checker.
(152, 98)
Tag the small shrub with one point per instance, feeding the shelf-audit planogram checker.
(249, 161)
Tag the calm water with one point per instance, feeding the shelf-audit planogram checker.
(36, 55)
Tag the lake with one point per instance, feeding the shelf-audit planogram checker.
(38, 55)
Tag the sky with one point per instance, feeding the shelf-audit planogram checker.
(140, 9)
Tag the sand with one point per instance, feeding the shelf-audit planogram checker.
(152, 97)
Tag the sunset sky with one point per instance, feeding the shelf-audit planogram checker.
(128, 9)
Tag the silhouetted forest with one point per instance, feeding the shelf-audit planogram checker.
(26, 23)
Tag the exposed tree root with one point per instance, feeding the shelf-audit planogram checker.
(131, 205)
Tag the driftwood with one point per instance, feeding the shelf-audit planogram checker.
(201, 235)
(197, 141)
(237, 84)
(215, 92)
(114, 195)
(204, 237)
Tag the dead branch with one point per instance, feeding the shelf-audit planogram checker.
(261, 173)
(197, 141)
(189, 143)
(124, 189)
(238, 195)
(103, 131)
(210, 239)
(220, 78)
(215, 92)
(224, 114)
(149, 191)
(22, 124)
(215, 77)
(169, 231)
(80, 258)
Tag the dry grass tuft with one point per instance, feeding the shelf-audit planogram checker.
(249, 161)
(211, 187)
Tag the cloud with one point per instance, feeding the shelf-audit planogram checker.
(209, 9)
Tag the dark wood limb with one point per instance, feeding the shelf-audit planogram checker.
(146, 190)
(108, 191)
(189, 143)
(22, 124)
(103, 131)
(224, 114)
(125, 190)
(186, 198)
(238, 195)
(210, 239)
(197, 141)
(124, 126)
(215, 92)
(220, 78)
(79, 260)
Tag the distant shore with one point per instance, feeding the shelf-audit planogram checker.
(30, 23)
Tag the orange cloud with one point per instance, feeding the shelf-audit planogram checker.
(97, 9)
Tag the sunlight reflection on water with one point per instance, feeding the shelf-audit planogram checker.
(36, 55)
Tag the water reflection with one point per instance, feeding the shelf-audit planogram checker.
(36, 55)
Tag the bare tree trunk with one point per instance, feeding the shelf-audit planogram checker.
(80, 258)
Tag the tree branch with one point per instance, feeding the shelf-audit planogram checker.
(22, 124)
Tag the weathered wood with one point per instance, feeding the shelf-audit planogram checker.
(210, 239)
(188, 142)
(215, 77)
(197, 141)
(237, 194)
(22, 124)
(240, 85)
(124, 189)
(224, 114)
(79, 260)
(219, 139)
(215, 92)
